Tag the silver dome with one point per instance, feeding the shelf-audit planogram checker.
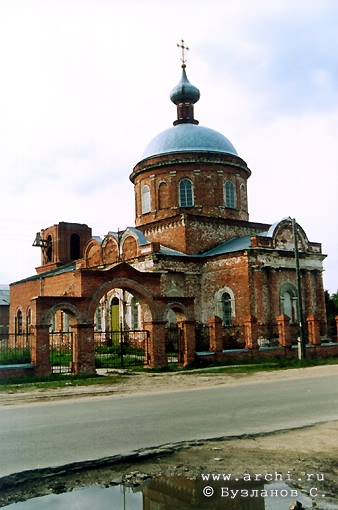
(187, 138)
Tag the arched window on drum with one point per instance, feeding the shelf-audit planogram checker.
(229, 195)
(145, 199)
(186, 193)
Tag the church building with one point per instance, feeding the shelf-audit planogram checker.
(194, 272)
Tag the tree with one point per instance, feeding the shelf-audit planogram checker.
(331, 312)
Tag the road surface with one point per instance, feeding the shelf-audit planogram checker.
(60, 432)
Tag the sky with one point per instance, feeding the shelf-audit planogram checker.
(85, 86)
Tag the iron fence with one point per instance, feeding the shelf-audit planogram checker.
(61, 351)
(15, 349)
(121, 348)
(233, 337)
(174, 343)
(202, 337)
(332, 332)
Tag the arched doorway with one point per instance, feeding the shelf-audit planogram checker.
(121, 339)
(61, 341)
(174, 336)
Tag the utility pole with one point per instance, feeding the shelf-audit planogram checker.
(301, 340)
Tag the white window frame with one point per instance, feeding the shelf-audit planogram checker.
(145, 199)
(186, 193)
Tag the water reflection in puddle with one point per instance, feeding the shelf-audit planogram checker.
(165, 493)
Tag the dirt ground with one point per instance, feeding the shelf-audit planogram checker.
(294, 454)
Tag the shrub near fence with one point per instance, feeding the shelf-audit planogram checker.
(15, 349)
(233, 337)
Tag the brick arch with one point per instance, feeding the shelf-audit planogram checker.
(180, 310)
(144, 296)
(65, 307)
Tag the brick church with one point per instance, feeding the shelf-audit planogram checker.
(193, 262)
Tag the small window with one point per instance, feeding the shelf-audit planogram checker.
(74, 247)
(289, 302)
(186, 195)
(145, 199)
(19, 329)
(229, 195)
(28, 317)
(226, 309)
(49, 250)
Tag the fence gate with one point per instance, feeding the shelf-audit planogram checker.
(174, 343)
(121, 348)
(61, 351)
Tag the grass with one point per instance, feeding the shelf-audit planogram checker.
(53, 381)
(240, 367)
(15, 356)
(236, 367)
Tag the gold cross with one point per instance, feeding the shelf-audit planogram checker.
(183, 59)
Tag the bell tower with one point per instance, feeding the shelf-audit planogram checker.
(61, 243)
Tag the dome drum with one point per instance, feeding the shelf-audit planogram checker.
(196, 158)
(200, 189)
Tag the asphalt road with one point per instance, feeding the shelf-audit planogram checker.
(56, 433)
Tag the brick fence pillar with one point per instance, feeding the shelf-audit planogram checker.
(313, 326)
(189, 341)
(284, 330)
(156, 347)
(215, 333)
(251, 333)
(40, 349)
(83, 349)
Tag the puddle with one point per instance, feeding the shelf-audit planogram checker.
(165, 493)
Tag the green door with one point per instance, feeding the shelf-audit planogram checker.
(115, 319)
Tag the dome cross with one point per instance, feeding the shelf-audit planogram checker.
(183, 49)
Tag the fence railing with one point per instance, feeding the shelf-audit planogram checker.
(15, 349)
(114, 349)
(61, 351)
(332, 332)
(233, 337)
(202, 336)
